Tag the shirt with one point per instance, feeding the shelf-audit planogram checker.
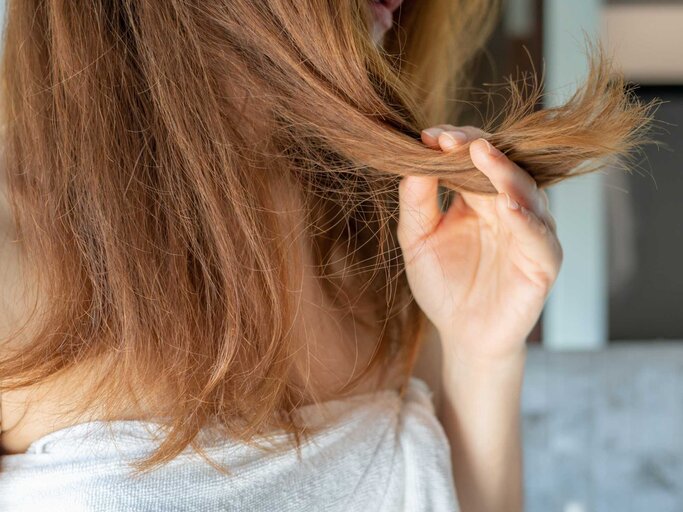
(383, 452)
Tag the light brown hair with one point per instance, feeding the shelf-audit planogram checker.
(147, 144)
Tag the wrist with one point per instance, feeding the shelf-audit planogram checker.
(471, 357)
(478, 386)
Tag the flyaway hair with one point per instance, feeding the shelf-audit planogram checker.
(148, 147)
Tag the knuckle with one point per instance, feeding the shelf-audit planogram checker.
(552, 222)
(543, 227)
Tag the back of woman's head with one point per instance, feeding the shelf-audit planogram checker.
(149, 148)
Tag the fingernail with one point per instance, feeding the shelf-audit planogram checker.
(512, 204)
(493, 151)
(453, 139)
(433, 132)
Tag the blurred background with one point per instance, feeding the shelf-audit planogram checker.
(603, 392)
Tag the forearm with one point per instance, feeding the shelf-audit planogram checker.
(480, 413)
(486, 266)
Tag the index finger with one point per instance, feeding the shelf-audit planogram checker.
(506, 176)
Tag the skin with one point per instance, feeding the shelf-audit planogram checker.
(378, 30)
(481, 272)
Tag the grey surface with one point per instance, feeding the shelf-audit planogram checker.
(602, 430)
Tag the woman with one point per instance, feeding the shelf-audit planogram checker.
(218, 216)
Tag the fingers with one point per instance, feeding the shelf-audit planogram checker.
(534, 236)
(419, 211)
(506, 176)
(432, 137)
(449, 139)
(520, 206)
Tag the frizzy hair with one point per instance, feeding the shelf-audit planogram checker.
(147, 144)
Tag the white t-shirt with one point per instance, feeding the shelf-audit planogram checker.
(382, 453)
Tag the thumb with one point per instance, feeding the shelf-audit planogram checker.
(419, 211)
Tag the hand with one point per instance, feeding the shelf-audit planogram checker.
(482, 271)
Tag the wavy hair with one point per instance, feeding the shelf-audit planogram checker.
(148, 147)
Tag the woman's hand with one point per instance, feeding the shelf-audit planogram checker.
(482, 271)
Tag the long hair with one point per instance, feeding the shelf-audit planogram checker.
(148, 149)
